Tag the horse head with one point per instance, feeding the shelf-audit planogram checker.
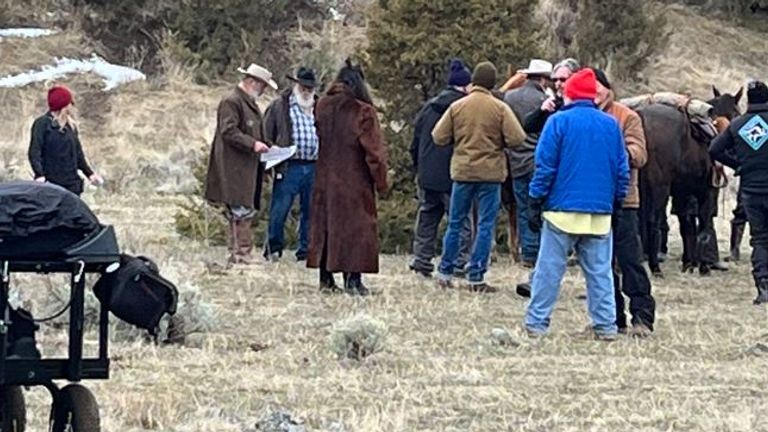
(725, 104)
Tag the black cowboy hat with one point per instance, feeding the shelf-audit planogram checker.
(305, 77)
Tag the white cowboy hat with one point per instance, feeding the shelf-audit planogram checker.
(538, 67)
(259, 73)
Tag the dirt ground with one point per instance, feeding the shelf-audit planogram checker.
(703, 369)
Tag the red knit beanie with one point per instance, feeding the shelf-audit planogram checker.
(58, 98)
(582, 85)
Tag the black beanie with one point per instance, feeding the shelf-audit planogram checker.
(757, 93)
(602, 78)
(459, 75)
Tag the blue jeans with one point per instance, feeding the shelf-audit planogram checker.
(488, 196)
(298, 179)
(595, 256)
(529, 240)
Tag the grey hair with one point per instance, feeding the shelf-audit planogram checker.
(571, 63)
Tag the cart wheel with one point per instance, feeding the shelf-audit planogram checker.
(13, 416)
(75, 410)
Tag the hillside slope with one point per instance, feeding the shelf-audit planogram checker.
(703, 370)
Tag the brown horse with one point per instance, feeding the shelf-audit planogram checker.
(678, 166)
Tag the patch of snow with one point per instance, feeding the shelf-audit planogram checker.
(113, 75)
(26, 32)
(336, 15)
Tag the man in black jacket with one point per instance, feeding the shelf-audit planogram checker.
(290, 121)
(534, 121)
(744, 148)
(432, 166)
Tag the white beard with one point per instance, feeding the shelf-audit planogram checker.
(306, 103)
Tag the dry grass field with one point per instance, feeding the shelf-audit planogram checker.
(703, 370)
(267, 344)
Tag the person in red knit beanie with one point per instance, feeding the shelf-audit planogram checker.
(582, 85)
(581, 172)
(55, 152)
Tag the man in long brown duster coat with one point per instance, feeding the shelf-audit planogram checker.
(234, 170)
(352, 164)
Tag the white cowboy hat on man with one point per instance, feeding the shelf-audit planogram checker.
(260, 73)
(538, 68)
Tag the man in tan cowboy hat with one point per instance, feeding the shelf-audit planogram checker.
(523, 101)
(234, 170)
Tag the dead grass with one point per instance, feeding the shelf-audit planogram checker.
(703, 51)
(439, 370)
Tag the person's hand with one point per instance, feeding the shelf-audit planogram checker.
(260, 147)
(549, 105)
(40, 179)
(96, 179)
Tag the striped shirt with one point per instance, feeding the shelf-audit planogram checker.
(304, 132)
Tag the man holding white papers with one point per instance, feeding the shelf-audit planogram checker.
(290, 121)
(235, 171)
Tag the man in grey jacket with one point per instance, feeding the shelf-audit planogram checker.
(524, 101)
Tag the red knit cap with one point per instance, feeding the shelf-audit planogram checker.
(582, 85)
(58, 98)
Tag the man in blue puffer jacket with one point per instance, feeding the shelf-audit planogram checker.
(582, 170)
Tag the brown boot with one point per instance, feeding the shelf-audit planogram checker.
(241, 242)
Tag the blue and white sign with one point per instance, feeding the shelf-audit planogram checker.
(755, 132)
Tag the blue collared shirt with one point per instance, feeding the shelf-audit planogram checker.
(304, 132)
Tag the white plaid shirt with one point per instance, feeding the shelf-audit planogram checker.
(304, 132)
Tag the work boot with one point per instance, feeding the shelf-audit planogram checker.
(420, 271)
(482, 288)
(327, 282)
(353, 285)
(640, 331)
(762, 292)
(737, 234)
(523, 290)
(241, 242)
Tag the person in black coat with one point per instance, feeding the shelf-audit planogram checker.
(55, 152)
(432, 166)
(743, 148)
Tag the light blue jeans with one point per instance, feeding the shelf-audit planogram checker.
(595, 254)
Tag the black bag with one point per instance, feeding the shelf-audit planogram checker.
(41, 220)
(137, 294)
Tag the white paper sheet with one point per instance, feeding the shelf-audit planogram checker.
(276, 154)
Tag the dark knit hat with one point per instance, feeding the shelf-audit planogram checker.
(757, 93)
(581, 85)
(58, 98)
(485, 75)
(602, 78)
(459, 75)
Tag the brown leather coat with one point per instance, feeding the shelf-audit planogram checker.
(352, 164)
(634, 138)
(234, 170)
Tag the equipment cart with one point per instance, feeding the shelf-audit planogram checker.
(74, 407)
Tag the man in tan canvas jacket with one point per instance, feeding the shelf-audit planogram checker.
(479, 126)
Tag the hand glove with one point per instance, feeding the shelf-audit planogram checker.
(535, 210)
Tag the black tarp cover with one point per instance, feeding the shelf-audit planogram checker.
(28, 208)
